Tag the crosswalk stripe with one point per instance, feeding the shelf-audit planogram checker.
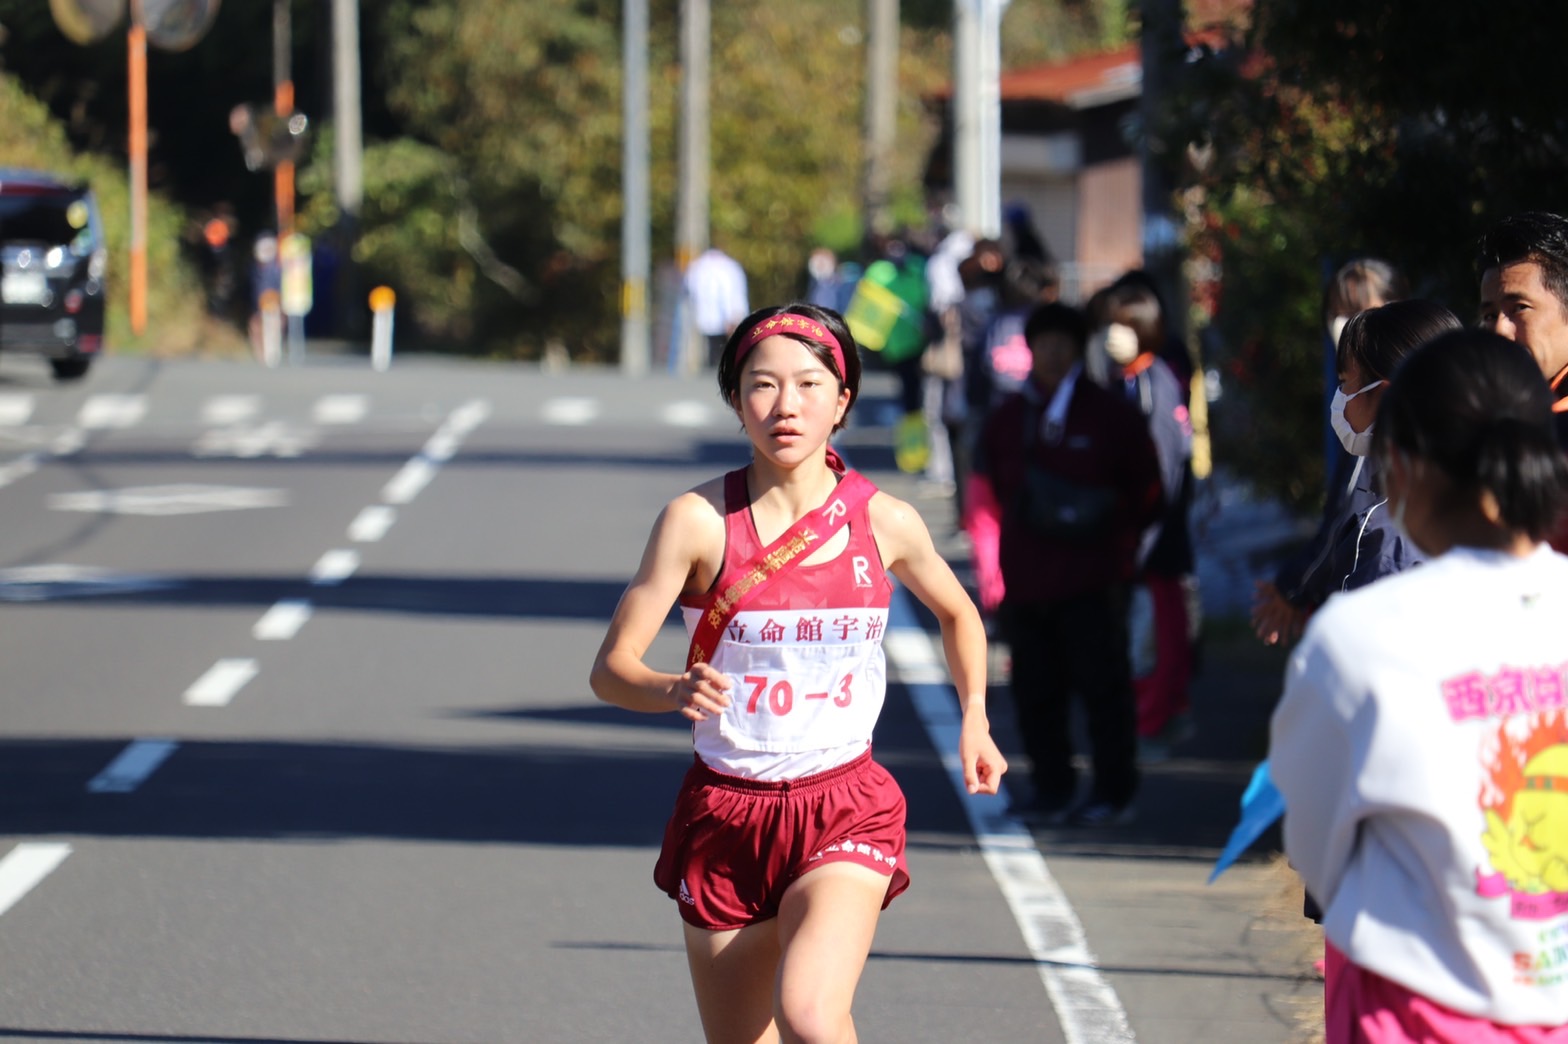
(570, 410)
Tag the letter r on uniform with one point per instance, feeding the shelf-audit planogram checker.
(862, 571)
(835, 509)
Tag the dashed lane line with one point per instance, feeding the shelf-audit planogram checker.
(132, 766)
(282, 621)
(15, 409)
(371, 524)
(219, 685)
(25, 865)
(334, 567)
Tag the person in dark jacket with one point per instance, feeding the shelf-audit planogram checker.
(1356, 542)
(1064, 609)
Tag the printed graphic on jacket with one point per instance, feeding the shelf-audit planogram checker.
(1524, 799)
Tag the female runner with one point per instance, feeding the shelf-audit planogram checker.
(1422, 742)
(787, 840)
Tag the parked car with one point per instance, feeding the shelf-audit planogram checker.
(52, 261)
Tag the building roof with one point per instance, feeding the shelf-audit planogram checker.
(1079, 83)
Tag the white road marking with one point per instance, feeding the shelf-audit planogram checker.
(230, 409)
(341, 409)
(334, 567)
(272, 439)
(570, 410)
(15, 409)
(185, 499)
(25, 865)
(410, 479)
(1086, 1006)
(132, 766)
(372, 524)
(282, 621)
(42, 583)
(112, 411)
(687, 414)
(438, 449)
(21, 467)
(68, 442)
(222, 680)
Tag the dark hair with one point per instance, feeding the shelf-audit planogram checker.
(1360, 284)
(1055, 317)
(1379, 338)
(729, 373)
(1535, 236)
(1475, 405)
(1135, 304)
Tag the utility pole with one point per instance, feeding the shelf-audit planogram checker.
(635, 262)
(691, 201)
(137, 66)
(882, 20)
(977, 114)
(348, 152)
(283, 105)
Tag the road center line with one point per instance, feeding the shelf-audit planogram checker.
(372, 524)
(132, 766)
(25, 865)
(222, 680)
(282, 621)
(410, 479)
(333, 568)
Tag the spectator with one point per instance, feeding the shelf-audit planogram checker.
(1359, 284)
(716, 289)
(1161, 638)
(1420, 746)
(1078, 479)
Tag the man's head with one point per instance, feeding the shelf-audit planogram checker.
(1523, 265)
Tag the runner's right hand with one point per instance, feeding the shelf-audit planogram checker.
(700, 692)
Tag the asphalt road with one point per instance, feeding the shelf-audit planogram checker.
(296, 742)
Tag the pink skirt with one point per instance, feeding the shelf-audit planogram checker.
(1362, 1007)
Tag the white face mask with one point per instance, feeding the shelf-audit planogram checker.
(1357, 443)
(1121, 343)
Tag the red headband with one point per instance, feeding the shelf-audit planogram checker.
(795, 325)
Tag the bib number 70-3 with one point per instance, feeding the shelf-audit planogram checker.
(781, 695)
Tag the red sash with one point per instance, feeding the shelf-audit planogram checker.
(773, 561)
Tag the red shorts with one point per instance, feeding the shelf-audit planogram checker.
(734, 845)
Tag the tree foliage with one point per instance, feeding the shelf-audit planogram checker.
(31, 137)
(1328, 129)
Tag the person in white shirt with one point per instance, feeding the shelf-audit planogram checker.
(716, 289)
(1422, 742)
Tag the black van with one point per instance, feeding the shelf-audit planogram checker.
(52, 261)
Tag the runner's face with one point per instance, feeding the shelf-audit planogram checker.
(788, 401)
(1516, 303)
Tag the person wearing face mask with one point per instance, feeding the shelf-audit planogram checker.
(1355, 543)
(1421, 746)
(1358, 284)
(1162, 653)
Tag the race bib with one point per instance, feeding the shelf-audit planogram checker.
(789, 699)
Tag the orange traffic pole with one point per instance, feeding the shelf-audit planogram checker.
(283, 178)
(137, 62)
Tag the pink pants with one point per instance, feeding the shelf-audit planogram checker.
(1163, 692)
(1362, 1007)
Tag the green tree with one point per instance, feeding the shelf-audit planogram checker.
(1333, 128)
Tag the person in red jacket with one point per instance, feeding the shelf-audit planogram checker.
(1078, 479)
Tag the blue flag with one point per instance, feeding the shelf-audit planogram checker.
(1261, 805)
